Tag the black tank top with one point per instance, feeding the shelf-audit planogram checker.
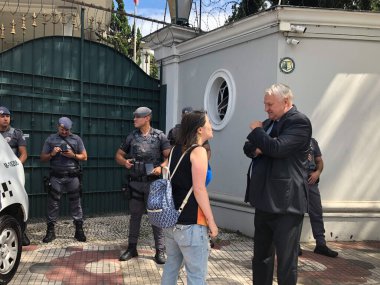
(181, 184)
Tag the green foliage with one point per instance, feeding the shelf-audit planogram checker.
(121, 34)
(375, 5)
(249, 7)
(245, 8)
(153, 67)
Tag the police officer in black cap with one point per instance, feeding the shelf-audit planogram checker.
(142, 153)
(173, 134)
(15, 139)
(64, 150)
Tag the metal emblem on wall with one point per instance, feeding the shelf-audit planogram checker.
(287, 65)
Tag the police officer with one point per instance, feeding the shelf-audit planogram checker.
(142, 154)
(173, 134)
(315, 167)
(64, 150)
(16, 141)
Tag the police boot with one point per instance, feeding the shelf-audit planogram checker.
(79, 233)
(50, 233)
(129, 253)
(160, 258)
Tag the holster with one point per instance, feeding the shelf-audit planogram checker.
(80, 178)
(47, 184)
(126, 191)
(135, 189)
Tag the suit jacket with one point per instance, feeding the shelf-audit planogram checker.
(279, 176)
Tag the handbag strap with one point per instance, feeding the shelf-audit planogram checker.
(179, 161)
(184, 202)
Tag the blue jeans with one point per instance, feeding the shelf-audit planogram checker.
(188, 244)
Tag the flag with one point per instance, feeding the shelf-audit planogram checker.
(136, 2)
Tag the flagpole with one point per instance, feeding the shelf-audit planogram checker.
(135, 34)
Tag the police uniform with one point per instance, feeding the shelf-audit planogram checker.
(145, 150)
(173, 134)
(315, 205)
(64, 178)
(14, 138)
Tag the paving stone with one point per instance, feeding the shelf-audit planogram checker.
(66, 261)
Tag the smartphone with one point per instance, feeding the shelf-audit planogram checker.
(64, 148)
(149, 168)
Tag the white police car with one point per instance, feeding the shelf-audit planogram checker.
(14, 207)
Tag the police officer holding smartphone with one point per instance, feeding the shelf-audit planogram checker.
(64, 150)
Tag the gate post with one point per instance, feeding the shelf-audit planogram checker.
(81, 69)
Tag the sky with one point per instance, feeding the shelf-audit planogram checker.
(148, 8)
(145, 4)
(155, 9)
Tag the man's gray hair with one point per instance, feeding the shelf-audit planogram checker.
(280, 90)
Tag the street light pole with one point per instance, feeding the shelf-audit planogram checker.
(135, 35)
(200, 16)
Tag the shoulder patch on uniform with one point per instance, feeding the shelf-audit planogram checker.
(18, 131)
(157, 131)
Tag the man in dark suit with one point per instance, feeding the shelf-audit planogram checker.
(278, 187)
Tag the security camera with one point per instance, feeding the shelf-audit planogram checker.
(291, 41)
(266, 5)
(298, 29)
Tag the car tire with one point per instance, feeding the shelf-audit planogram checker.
(10, 247)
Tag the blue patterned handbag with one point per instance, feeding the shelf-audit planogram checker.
(160, 205)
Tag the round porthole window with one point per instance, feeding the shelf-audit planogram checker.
(220, 98)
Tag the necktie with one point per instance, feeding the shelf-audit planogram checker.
(273, 132)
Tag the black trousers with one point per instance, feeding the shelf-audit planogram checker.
(276, 234)
(316, 214)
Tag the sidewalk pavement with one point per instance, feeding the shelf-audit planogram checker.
(68, 262)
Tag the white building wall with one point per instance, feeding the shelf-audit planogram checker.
(250, 65)
(339, 91)
(335, 82)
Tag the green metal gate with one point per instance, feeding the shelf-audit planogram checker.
(98, 88)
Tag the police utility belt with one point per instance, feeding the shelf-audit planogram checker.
(143, 178)
(63, 174)
(141, 172)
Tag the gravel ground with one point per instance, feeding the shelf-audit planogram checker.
(112, 229)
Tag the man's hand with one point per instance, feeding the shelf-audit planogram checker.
(313, 177)
(68, 154)
(258, 152)
(256, 124)
(128, 163)
(55, 151)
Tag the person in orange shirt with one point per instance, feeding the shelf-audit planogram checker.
(188, 241)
